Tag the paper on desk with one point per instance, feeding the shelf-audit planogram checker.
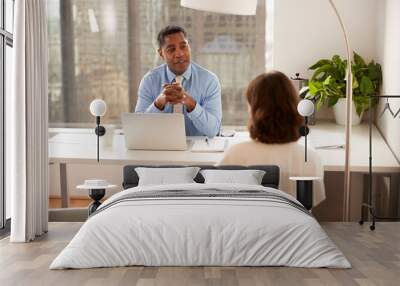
(328, 142)
(213, 145)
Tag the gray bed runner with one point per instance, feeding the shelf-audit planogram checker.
(206, 194)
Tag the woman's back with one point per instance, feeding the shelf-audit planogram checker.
(274, 127)
(288, 156)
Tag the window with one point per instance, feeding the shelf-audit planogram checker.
(102, 48)
(6, 61)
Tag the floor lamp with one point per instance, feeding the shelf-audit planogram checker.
(248, 7)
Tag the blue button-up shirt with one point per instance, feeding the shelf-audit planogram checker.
(199, 83)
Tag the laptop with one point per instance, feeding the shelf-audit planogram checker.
(154, 131)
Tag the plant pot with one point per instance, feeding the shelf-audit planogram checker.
(339, 109)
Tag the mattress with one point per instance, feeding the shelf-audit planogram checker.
(201, 225)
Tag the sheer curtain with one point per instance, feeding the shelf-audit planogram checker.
(27, 116)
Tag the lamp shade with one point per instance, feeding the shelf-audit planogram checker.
(98, 107)
(236, 7)
(305, 107)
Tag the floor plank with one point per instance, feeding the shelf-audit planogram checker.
(375, 257)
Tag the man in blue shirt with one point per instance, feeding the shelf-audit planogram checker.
(181, 85)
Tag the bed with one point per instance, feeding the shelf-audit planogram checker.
(201, 224)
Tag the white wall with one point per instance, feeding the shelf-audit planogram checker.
(388, 54)
(307, 30)
(304, 31)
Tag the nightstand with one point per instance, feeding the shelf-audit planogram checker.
(97, 190)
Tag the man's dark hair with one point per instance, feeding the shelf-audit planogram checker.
(169, 30)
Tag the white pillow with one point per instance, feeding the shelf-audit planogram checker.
(164, 176)
(248, 177)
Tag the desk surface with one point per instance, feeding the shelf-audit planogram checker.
(383, 159)
(79, 146)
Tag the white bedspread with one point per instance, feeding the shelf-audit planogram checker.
(200, 231)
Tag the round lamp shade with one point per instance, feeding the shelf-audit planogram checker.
(305, 107)
(98, 107)
(236, 7)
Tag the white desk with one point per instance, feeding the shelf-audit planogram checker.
(383, 160)
(80, 147)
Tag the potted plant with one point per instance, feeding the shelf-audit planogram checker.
(328, 86)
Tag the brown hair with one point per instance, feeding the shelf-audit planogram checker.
(273, 102)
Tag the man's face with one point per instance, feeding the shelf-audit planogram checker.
(176, 53)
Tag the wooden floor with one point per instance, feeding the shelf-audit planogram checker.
(375, 257)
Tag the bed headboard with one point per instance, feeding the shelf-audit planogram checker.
(270, 179)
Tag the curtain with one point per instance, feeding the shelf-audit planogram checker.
(27, 135)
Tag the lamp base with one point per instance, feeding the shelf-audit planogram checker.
(304, 130)
(100, 130)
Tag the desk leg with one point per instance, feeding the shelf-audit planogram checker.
(64, 186)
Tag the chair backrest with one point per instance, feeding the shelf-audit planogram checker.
(270, 179)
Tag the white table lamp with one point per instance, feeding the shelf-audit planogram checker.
(98, 108)
(305, 109)
(97, 190)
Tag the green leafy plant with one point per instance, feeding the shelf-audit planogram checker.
(328, 84)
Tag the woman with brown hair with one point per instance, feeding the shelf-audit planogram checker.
(274, 125)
